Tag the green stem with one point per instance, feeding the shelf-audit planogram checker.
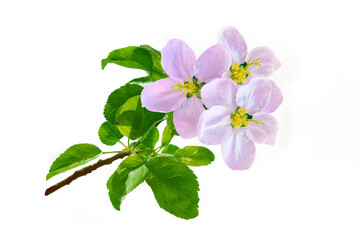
(156, 150)
(123, 144)
(111, 152)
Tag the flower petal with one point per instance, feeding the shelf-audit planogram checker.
(219, 92)
(275, 99)
(159, 96)
(263, 133)
(213, 63)
(268, 61)
(178, 60)
(232, 40)
(214, 125)
(187, 116)
(238, 150)
(254, 96)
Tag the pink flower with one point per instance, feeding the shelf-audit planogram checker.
(236, 119)
(181, 91)
(259, 62)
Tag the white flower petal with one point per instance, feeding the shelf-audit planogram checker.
(232, 40)
(238, 150)
(186, 117)
(214, 125)
(219, 92)
(159, 96)
(263, 133)
(275, 99)
(178, 60)
(254, 96)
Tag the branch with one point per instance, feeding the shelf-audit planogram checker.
(84, 171)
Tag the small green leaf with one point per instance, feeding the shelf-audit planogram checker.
(144, 150)
(194, 156)
(141, 80)
(109, 134)
(170, 149)
(167, 135)
(151, 119)
(170, 122)
(146, 144)
(151, 138)
(130, 57)
(131, 118)
(169, 131)
(73, 157)
(130, 174)
(174, 186)
(117, 98)
(155, 53)
(156, 76)
(156, 58)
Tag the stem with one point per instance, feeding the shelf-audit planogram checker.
(111, 152)
(122, 144)
(84, 171)
(156, 150)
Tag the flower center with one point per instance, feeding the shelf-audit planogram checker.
(190, 88)
(240, 118)
(239, 72)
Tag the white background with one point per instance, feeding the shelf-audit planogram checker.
(53, 91)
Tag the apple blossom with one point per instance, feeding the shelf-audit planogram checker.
(235, 119)
(181, 91)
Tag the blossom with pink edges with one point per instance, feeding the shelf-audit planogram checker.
(237, 118)
(259, 62)
(181, 91)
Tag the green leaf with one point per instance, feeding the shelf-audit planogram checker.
(131, 118)
(144, 150)
(146, 144)
(170, 122)
(151, 119)
(130, 174)
(194, 156)
(170, 149)
(156, 76)
(130, 57)
(174, 186)
(143, 57)
(109, 134)
(167, 135)
(156, 54)
(169, 131)
(117, 98)
(73, 157)
(141, 80)
(156, 58)
(151, 138)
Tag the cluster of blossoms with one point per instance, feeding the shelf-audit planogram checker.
(223, 97)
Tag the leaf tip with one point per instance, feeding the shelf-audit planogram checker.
(48, 176)
(104, 62)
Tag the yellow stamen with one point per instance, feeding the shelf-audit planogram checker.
(239, 72)
(191, 87)
(240, 118)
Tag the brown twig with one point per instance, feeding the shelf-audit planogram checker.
(84, 171)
